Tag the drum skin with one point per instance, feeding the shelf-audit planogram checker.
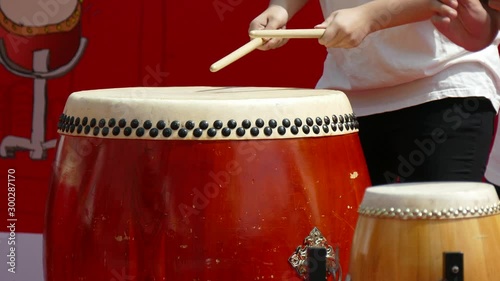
(198, 210)
(62, 40)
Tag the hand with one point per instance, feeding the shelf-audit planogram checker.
(494, 4)
(473, 28)
(345, 28)
(274, 17)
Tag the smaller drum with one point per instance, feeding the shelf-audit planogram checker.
(427, 231)
(30, 25)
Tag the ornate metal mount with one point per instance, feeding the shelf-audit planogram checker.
(314, 255)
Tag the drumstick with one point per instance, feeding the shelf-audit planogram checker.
(237, 54)
(288, 33)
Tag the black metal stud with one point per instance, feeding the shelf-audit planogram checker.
(134, 123)
(203, 125)
(96, 131)
(111, 122)
(161, 125)
(167, 132)
(87, 130)
(259, 123)
(105, 131)
(190, 125)
(309, 121)
(175, 125)
(226, 132)
(268, 131)
(212, 132)
(197, 132)
(122, 123)
(85, 120)
(316, 129)
(93, 122)
(139, 132)
(232, 124)
(102, 123)
(116, 131)
(281, 130)
(272, 123)
(254, 131)
(297, 122)
(240, 131)
(294, 130)
(147, 124)
(306, 129)
(246, 124)
(183, 132)
(218, 124)
(154, 132)
(286, 123)
(127, 131)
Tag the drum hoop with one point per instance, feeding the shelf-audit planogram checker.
(64, 26)
(446, 213)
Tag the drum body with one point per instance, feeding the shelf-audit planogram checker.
(200, 183)
(27, 26)
(405, 232)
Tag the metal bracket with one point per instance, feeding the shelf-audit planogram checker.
(453, 266)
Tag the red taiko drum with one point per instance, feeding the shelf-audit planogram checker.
(30, 25)
(203, 183)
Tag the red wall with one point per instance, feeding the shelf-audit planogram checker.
(148, 43)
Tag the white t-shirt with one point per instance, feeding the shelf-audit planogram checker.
(406, 66)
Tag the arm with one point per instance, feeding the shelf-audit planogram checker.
(474, 27)
(276, 16)
(347, 28)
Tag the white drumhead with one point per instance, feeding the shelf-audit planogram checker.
(206, 113)
(37, 13)
(430, 200)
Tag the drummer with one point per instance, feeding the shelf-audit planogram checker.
(473, 17)
(425, 106)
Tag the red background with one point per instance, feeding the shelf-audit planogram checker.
(130, 40)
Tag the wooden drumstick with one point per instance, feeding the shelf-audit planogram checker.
(288, 33)
(237, 54)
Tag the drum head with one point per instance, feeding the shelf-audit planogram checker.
(440, 200)
(208, 113)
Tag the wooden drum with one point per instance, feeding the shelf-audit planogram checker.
(427, 231)
(203, 183)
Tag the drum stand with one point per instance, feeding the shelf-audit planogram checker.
(37, 145)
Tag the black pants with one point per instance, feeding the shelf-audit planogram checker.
(446, 140)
